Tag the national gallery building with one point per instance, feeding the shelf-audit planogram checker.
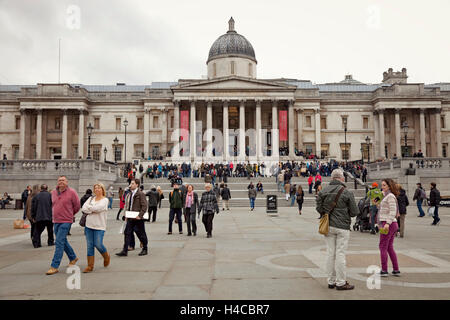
(251, 119)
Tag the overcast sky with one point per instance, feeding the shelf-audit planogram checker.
(137, 42)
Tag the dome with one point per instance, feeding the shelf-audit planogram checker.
(231, 43)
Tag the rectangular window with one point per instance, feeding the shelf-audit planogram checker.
(118, 153)
(171, 122)
(156, 122)
(97, 123)
(323, 122)
(345, 151)
(57, 123)
(34, 123)
(75, 124)
(33, 151)
(324, 152)
(442, 122)
(17, 123)
(366, 150)
(96, 151)
(309, 149)
(365, 122)
(118, 124)
(444, 149)
(308, 123)
(15, 149)
(232, 67)
(138, 150)
(140, 123)
(75, 151)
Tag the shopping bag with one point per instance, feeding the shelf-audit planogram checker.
(431, 211)
(18, 224)
(122, 228)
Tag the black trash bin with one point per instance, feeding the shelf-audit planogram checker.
(19, 204)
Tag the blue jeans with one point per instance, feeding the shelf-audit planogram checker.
(373, 217)
(61, 244)
(292, 200)
(110, 203)
(94, 238)
(252, 203)
(419, 206)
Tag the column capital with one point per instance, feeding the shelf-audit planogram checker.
(437, 111)
(258, 102)
(65, 111)
(381, 111)
(225, 102)
(291, 102)
(209, 102)
(316, 111)
(147, 110)
(192, 103)
(422, 110)
(397, 110)
(39, 111)
(274, 102)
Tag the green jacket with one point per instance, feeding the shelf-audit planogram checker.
(176, 199)
(345, 209)
(373, 193)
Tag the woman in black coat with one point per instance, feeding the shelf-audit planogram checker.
(403, 202)
(300, 197)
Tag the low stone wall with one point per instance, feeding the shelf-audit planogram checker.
(82, 174)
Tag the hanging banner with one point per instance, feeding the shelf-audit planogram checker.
(184, 124)
(282, 125)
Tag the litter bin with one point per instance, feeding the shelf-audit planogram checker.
(271, 204)
(19, 204)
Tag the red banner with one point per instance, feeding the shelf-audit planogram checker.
(184, 124)
(282, 125)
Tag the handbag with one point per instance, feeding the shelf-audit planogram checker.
(18, 224)
(84, 216)
(324, 222)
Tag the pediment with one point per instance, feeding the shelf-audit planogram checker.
(233, 83)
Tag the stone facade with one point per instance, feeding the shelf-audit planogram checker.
(47, 121)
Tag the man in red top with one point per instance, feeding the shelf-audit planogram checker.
(65, 204)
(310, 183)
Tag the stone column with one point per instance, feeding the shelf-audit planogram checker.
(423, 144)
(81, 134)
(176, 130)
(192, 132)
(291, 125)
(377, 135)
(23, 122)
(258, 126)
(381, 116)
(64, 147)
(163, 125)
(225, 133)
(209, 126)
(317, 129)
(275, 132)
(39, 134)
(146, 132)
(398, 138)
(299, 129)
(242, 130)
(437, 114)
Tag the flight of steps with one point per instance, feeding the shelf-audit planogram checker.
(239, 192)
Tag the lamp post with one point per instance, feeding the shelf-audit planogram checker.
(105, 151)
(368, 149)
(345, 145)
(405, 131)
(116, 144)
(89, 131)
(125, 123)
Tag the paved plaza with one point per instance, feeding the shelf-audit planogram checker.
(251, 256)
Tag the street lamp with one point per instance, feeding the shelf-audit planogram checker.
(89, 131)
(105, 151)
(125, 123)
(116, 144)
(344, 120)
(368, 149)
(405, 131)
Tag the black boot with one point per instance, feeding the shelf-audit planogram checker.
(122, 253)
(143, 252)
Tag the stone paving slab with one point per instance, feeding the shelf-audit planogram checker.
(251, 256)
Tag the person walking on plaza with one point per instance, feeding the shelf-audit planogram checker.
(403, 202)
(34, 191)
(300, 198)
(226, 196)
(176, 205)
(419, 196)
(96, 208)
(135, 201)
(121, 202)
(287, 189)
(161, 196)
(310, 183)
(435, 198)
(190, 203)
(41, 213)
(372, 194)
(292, 194)
(388, 213)
(208, 204)
(339, 227)
(65, 204)
(24, 197)
(252, 196)
(317, 182)
(280, 183)
(153, 197)
(110, 196)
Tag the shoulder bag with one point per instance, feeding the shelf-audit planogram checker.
(324, 223)
(84, 216)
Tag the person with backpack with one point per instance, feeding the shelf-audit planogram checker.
(420, 195)
(402, 200)
(372, 194)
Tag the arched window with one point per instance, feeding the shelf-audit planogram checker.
(232, 67)
(214, 70)
(250, 70)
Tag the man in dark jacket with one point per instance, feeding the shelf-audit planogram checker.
(339, 230)
(435, 198)
(420, 195)
(41, 213)
(153, 197)
(403, 202)
(25, 195)
(208, 204)
(226, 196)
(176, 205)
(135, 201)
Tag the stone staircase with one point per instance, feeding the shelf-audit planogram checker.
(238, 188)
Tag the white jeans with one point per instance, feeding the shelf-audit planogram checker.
(337, 242)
